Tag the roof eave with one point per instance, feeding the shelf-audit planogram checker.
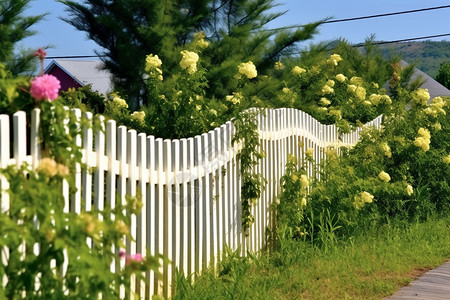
(54, 63)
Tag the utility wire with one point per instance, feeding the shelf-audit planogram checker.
(358, 45)
(327, 21)
(73, 56)
(387, 14)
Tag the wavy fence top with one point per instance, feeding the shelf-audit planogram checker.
(120, 142)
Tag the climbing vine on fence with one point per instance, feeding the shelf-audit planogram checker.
(249, 155)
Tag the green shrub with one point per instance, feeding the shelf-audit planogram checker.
(401, 171)
(47, 251)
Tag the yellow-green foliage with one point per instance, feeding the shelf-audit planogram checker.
(54, 253)
(179, 105)
(400, 171)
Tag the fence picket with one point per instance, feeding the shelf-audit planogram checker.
(167, 217)
(86, 177)
(159, 210)
(76, 195)
(206, 200)
(184, 208)
(191, 204)
(110, 199)
(20, 148)
(131, 161)
(122, 180)
(4, 184)
(99, 180)
(4, 161)
(212, 183)
(20, 137)
(35, 149)
(230, 191)
(223, 147)
(142, 178)
(175, 200)
(151, 213)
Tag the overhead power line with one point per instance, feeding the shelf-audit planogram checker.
(73, 56)
(365, 17)
(387, 14)
(359, 45)
(326, 22)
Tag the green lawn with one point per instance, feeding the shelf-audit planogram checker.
(370, 265)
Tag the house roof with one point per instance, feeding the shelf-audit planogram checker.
(435, 89)
(85, 72)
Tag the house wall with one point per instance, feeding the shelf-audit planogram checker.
(66, 81)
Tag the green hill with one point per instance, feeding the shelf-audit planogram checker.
(427, 55)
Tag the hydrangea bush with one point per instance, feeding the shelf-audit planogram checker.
(333, 95)
(399, 172)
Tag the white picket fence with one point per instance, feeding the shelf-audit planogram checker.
(190, 187)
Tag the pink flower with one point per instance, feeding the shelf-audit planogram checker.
(133, 258)
(41, 53)
(45, 87)
(130, 259)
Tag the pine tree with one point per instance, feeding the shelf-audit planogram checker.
(14, 27)
(443, 76)
(244, 36)
(130, 30)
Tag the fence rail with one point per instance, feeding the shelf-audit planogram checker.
(190, 187)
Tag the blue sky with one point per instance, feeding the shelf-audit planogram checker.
(65, 40)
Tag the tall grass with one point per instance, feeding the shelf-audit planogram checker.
(370, 265)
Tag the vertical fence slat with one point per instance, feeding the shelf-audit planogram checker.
(271, 163)
(199, 215)
(99, 180)
(237, 205)
(20, 148)
(218, 192)
(168, 228)
(86, 177)
(20, 137)
(35, 149)
(141, 217)
(151, 213)
(111, 178)
(4, 160)
(206, 200)
(176, 207)
(122, 179)
(76, 195)
(262, 199)
(132, 171)
(212, 198)
(230, 188)
(224, 172)
(192, 207)
(184, 207)
(131, 183)
(265, 193)
(4, 200)
(159, 209)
